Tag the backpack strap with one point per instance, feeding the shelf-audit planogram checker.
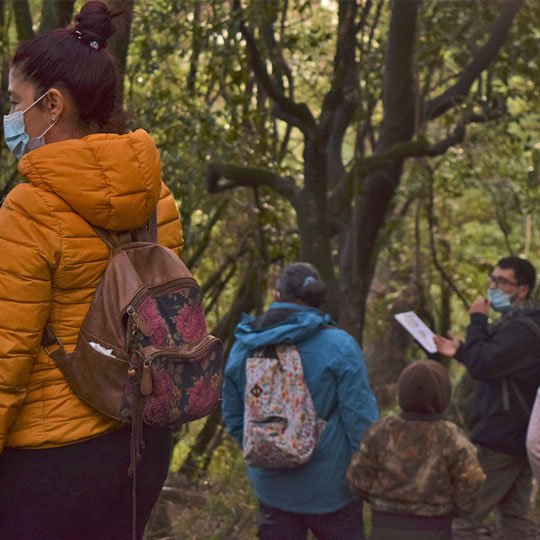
(520, 397)
(531, 325)
(151, 228)
(48, 339)
(106, 236)
(146, 233)
(536, 329)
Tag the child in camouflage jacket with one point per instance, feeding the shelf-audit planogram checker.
(417, 470)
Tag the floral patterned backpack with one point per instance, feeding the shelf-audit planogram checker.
(143, 353)
(281, 425)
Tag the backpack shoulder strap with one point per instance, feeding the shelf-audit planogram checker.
(527, 321)
(531, 325)
(48, 339)
(146, 233)
(106, 236)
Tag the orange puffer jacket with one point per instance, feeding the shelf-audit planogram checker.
(51, 262)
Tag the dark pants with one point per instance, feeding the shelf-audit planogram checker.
(393, 526)
(81, 491)
(381, 533)
(507, 489)
(276, 524)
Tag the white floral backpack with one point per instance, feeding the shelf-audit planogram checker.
(281, 425)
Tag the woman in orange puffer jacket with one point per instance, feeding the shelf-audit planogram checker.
(63, 465)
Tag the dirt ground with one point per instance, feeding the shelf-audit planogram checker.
(221, 511)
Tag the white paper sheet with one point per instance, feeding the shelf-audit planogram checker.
(418, 329)
(102, 349)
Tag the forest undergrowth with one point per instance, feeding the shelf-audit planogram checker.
(219, 504)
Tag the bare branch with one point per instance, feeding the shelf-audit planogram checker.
(196, 48)
(214, 279)
(433, 248)
(223, 176)
(284, 144)
(224, 280)
(406, 149)
(280, 67)
(363, 18)
(202, 245)
(487, 53)
(397, 152)
(297, 113)
(339, 103)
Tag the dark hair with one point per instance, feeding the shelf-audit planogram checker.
(75, 59)
(424, 387)
(301, 281)
(523, 271)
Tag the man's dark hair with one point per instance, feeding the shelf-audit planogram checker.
(523, 270)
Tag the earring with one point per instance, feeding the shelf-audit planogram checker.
(53, 119)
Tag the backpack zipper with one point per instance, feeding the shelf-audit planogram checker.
(146, 378)
(135, 301)
(205, 347)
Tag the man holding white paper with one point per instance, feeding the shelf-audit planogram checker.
(504, 359)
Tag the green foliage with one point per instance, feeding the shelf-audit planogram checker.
(189, 84)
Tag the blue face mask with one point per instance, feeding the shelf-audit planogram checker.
(499, 301)
(17, 139)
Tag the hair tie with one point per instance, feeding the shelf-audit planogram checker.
(94, 44)
(309, 279)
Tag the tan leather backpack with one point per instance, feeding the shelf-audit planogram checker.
(143, 353)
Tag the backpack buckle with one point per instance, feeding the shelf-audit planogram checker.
(56, 341)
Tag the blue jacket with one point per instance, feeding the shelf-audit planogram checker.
(336, 376)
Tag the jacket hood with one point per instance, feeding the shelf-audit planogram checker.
(528, 309)
(300, 323)
(113, 181)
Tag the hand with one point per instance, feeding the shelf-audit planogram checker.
(446, 346)
(480, 305)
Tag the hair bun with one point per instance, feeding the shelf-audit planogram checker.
(301, 281)
(94, 23)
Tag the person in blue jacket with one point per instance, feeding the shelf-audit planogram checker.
(314, 495)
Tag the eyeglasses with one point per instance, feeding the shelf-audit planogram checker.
(500, 281)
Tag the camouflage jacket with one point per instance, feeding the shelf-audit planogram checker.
(425, 468)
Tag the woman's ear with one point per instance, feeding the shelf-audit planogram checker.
(55, 103)
(276, 295)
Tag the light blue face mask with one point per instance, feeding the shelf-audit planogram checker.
(499, 301)
(17, 139)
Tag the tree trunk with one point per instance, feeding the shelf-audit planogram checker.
(386, 351)
(313, 223)
(119, 43)
(23, 19)
(361, 198)
(359, 252)
(55, 14)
